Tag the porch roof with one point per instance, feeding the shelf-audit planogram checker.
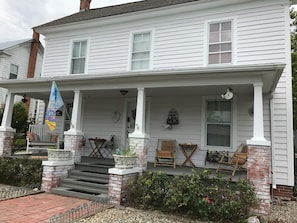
(39, 88)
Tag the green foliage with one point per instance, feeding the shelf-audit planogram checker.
(19, 117)
(197, 195)
(20, 172)
(293, 15)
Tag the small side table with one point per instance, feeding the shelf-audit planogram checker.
(192, 148)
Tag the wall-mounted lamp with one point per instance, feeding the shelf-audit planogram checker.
(123, 92)
(228, 95)
(24, 100)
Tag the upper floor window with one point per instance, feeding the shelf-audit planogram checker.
(141, 47)
(78, 59)
(220, 43)
(13, 74)
(218, 123)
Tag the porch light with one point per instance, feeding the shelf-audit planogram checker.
(24, 100)
(228, 95)
(123, 92)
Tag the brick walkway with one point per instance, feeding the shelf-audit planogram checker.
(36, 208)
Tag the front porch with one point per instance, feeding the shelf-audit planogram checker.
(179, 170)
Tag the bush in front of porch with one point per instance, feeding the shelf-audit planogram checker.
(197, 195)
(20, 172)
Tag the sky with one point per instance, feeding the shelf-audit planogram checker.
(18, 17)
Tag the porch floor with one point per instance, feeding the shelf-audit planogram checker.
(179, 170)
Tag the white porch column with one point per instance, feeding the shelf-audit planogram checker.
(258, 124)
(138, 139)
(7, 115)
(139, 130)
(74, 136)
(75, 126)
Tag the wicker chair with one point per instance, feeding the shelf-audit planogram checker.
(237, 161)
(165, 153)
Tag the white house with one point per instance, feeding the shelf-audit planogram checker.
(182, 56)
(15, 64)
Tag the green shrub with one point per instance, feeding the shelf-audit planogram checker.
(198, 195)
(20, 172)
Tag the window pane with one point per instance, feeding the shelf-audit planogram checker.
(214, 27)
(219, 111)
(226, 26)
(226, 57)
(214, 48)
(226, 47)
(214, 37)
(75, 52)
(214, 58)
(218, 135)
(83, 49)
(141, 51)
(78, 66)
(226, 36)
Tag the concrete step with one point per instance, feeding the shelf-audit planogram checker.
(86, 187)
(93, 168)
(81, 174)
(70, 192)
(93, 183)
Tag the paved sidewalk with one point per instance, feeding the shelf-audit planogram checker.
(36, 208)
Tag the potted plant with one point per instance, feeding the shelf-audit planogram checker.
(55, 154)
(125, 158)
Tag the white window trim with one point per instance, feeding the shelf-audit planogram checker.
(70, 54)
(234, 40)
(17, 74)
(129, 66)
(233, 140)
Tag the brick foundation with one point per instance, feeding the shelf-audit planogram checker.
(283, 191)
(258, 171)
(118, 180)
(52, 173)
(6, 143)
(74, 144)
(140, 147)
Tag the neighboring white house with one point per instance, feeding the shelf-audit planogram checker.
(14, 63)
(182, 56)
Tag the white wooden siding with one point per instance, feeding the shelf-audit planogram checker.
(179, 42)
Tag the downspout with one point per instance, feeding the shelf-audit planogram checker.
(271, 109)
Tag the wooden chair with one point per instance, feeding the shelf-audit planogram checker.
(237, 161)
(165, 153)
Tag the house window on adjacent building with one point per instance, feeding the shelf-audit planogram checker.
(218, 123)
(141, 47)
(220, 43)
(13, 74)
(78, 60)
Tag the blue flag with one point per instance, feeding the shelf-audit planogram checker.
(55, 102)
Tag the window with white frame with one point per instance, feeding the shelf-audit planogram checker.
(218, 123)
(141, 47)
(220, 43)
(78, 59)
(13, 74)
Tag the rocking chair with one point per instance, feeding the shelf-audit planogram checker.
(165, 153)
(237, 161)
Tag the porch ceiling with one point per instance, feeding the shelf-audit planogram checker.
(202, 81)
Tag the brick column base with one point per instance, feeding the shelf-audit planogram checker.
(52, 173)
(6, 143)
(139, 146)
(258, 171)
(283, 191)
(118, 180)
(74, 143)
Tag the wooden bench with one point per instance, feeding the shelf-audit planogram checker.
(40, 137)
